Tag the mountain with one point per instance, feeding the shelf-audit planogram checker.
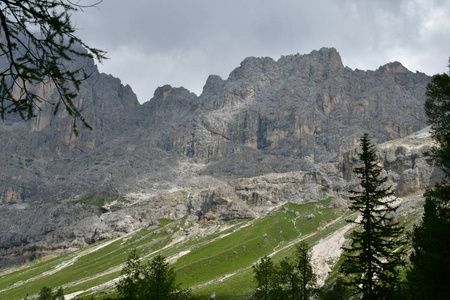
(272, 132)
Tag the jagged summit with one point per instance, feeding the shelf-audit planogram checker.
(321, 61)
(324, 55)
(214, 82)
(166, 90)
(393, 68)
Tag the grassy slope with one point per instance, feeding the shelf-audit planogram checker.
(217, 261)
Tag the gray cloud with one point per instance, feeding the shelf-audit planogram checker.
(178, 42)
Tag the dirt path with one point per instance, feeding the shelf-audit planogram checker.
(326, 253)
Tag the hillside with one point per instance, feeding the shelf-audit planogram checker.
(204, 255)
(272, 133)
(209, 259)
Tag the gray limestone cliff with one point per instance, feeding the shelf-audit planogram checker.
(273, 131)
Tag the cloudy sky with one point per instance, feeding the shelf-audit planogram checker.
(180, 42)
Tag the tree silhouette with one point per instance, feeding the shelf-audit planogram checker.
(46, 293)
(437, 109)
(38, 44)
(430, 271)
(153, 281)
(291, 278)
(128, 286)
(305, 271)
(374, 258)
(160, 281)
(288, 277)
(265, 275)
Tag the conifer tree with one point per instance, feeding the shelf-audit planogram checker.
(265, 276)
(291, 278)
(59, 294)
(288, 277)
(153, 281)
(375, 256)
(430, 271)
(295, 276)
(305, 270)
(160, 282)
(437, 109)
(130, 284)
(45, 293)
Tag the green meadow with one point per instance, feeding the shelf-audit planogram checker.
(208, 257)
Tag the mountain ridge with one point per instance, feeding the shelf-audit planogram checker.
(182, 154)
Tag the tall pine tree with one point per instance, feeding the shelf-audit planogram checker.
(429, 276)
(375, 256)
(265, 275)
(296, 279)
(305, 271)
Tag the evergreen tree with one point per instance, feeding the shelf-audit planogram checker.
(160, 281)
(305, 271)
(437, 109)
(45, 293)
(374, 257)
(292, 278)
(430, 271)
(288, 277)
(59, 294)
(153, 281)
(338, 292)
(129, 285)
(266, 279)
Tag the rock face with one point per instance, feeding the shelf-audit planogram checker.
(273, 131)
(303, 106)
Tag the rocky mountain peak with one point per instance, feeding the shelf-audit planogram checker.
(213, 83)
(393, 68)
(167, 91)
(163, 91)
(327, 56)
(253, 68)
(325, 61)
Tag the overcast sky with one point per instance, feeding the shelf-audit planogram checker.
(181, 42)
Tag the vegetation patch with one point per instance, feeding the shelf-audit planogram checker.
(217, 257)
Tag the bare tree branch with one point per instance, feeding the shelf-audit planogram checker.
(37, 45)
